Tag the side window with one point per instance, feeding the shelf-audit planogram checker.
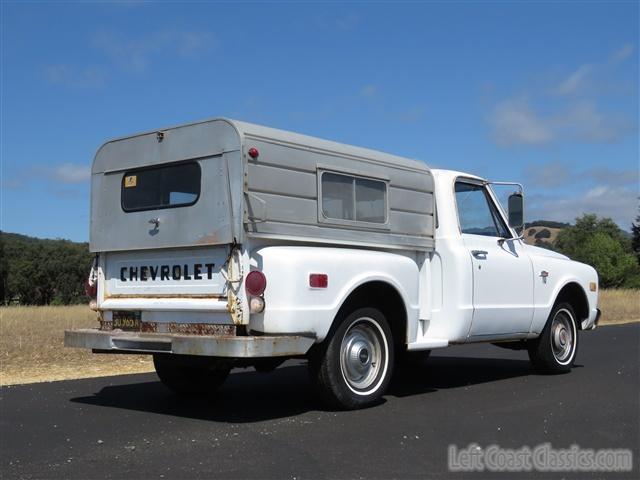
(337, 196)
(371, 201)
(476, 212)
(345, 197)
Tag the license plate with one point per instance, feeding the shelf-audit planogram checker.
(127, 320)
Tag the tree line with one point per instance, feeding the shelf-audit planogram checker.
(599, 242)
(36, 271)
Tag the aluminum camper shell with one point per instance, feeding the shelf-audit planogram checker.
(276, 195)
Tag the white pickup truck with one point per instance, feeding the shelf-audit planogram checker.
(223, 244)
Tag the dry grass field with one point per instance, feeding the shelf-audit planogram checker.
(619, 306)
(31, 341)
(31, 347)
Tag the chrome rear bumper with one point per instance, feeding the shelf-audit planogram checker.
(205, 345)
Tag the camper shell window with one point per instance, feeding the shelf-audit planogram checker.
(166, 186)
(349, 198)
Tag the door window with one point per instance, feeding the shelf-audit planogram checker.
(476, 212)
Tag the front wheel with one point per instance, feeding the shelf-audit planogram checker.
(556, 348)
(354, 368)
(191, 375)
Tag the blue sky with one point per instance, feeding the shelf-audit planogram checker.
(541, 93)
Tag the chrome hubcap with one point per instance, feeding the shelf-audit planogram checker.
(562, 333)
(361, 355)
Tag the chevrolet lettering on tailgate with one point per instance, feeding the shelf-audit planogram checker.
(196, 271)
(160, 272)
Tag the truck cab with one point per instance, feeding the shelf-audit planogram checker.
(504, 287)
(223, 244)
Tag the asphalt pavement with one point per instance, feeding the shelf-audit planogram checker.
(270, 425)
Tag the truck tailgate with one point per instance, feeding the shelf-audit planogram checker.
(194, 272)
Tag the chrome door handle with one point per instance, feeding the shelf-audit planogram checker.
(481, 254)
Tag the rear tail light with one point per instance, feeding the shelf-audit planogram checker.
(255, 283)
(256, 305)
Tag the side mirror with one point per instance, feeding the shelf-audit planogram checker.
(516, 212)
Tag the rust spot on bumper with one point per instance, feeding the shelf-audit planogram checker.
(180, 328)
(202, 329)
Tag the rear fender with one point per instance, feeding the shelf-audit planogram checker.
(293, 307)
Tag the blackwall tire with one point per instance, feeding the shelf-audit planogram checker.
(556, 349)
(354, 367)
(191, 376)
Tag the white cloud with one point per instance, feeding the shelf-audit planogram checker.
(193, 43)
(514, 123)
(616, 202)
(555, 174)
(343, 22)
(574, 82)
(79, 77)
(71, 173)
(550, 174)
(13, 184)
(412, 114)
(520, 120)
(128, 3)
(583, 121)
(613, 177)
(135, 55)
(580, 78)
(131, 54)
(605, 191)
(368, 91)
(348, 21)
(622, 53)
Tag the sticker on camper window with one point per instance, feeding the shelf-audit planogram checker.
(130, 181)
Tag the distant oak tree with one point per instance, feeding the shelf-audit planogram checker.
(600, 243)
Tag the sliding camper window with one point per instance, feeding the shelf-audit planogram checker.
(167, 186)
(354, 199)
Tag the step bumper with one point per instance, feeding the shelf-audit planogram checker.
(204, 345)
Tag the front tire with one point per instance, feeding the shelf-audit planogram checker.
(190, 376)
(554, 351)
(354, 367)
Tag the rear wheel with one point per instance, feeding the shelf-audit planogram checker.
(556, 348)
(191, 375)
(354, 367)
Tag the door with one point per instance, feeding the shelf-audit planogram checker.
(502, 270)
